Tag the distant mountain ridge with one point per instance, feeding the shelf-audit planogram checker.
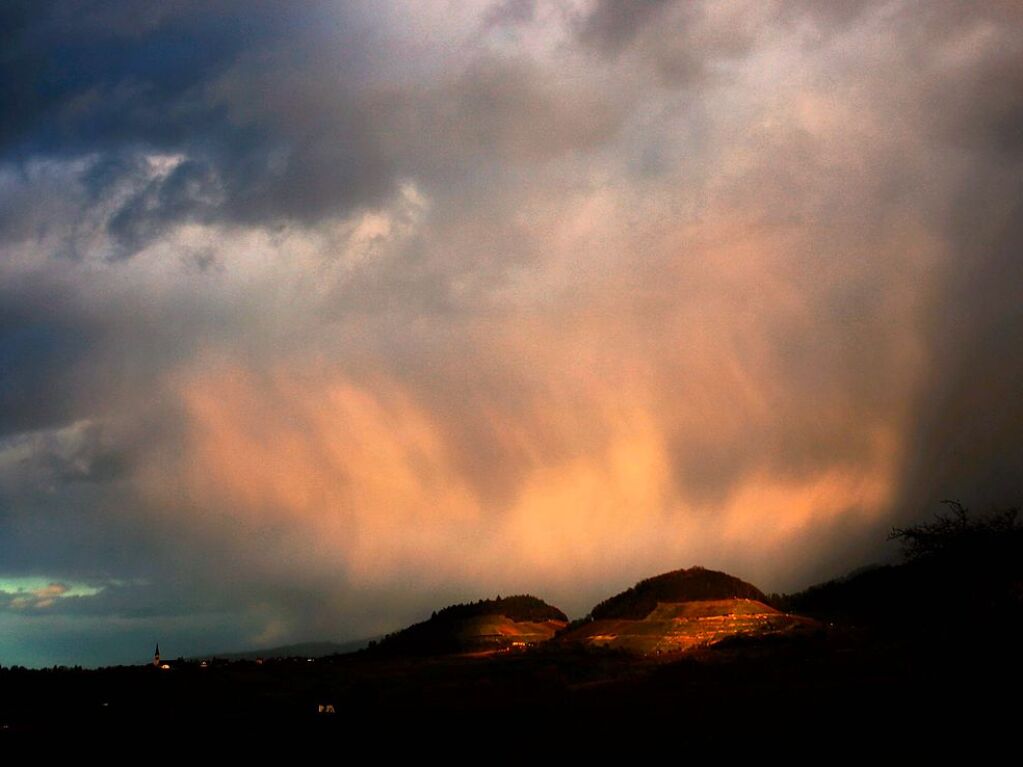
(298, 650)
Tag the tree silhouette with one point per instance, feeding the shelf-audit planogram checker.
(956, 532)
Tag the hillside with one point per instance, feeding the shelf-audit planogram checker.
(481, 626)
(981, 588)
(681, 610)
(693, 584)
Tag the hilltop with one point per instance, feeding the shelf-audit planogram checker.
(681, 610)
(481, 626)
(687, 585)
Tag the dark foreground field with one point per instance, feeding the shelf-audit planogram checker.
(845, 676)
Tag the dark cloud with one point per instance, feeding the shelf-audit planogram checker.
(612, 25)
(40, 347)
(254, 94)
(969, 420)
(277, 110)
(683, 42)
(983, 111)
(106, 72)
(510, 12)
(190, 192)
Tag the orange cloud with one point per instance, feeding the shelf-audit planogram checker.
(307, 469)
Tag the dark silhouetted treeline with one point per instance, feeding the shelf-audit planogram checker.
(522, 607)
(961, 574)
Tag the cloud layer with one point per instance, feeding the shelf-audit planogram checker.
(314, 317)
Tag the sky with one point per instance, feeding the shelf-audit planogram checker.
(315, 317)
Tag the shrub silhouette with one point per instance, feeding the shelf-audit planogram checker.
(957, 535)
(961, 570)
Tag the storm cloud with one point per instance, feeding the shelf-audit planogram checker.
(314, 317)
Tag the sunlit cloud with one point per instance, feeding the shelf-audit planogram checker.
(27, 593)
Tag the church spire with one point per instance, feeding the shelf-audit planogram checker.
(156, 655)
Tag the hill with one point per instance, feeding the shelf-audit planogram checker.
(681, 610)
(482, 626)
(516, 608)
(694, 584)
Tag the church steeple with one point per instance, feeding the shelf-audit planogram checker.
(156, 656)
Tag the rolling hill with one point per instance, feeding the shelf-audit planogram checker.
(483, 626)
(680, 610)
